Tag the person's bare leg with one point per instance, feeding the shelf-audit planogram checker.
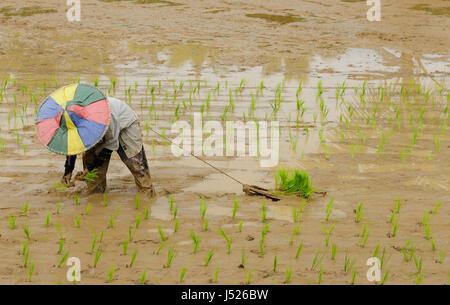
(138, 166)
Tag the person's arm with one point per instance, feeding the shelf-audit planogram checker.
(68, 169)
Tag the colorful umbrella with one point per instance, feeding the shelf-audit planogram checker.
(73, 119)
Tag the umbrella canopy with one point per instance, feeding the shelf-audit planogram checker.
(73, 119)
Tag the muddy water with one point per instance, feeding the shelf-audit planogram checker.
(361, 151)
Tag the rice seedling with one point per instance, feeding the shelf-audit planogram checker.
(263, 211)
(383, 259)
(12, 222)
(216, 275)
(348, 263)
(358, 212)
(143, 276)
(78, 221)
(111, 273)
(265, 230)
(248, 277)
(294, 214)
(240, 226)
(182, 274)
(176, 226)
(302, 205)
(146, 212)
(397, 205)
(195, 240)
(205, 224)
(441, 256)
(76, 199)
(363, 237)
(30, 272)
(394, 229)
(138, 222)
(333, 251)
(170, 257)
(25, 209)
(408, 251)
(26, 253)
(437, 143)
(288, 275)
(203, 208)
(105, 200)
(327, 232)
(88, 209)
(171, 203)
(243, 259)
(227, 239)
(320, 275)
(137, 202)
(125, 246)
(130, 233)
(175, 212)
(433, 244)
(316, 261)
(419, 278)
(293, 182)
(418, 262)
(235, 207)
(94, 242)
(133, 258)
(209, 257)
(26, 230)
(385, 278)
(63, 259)
(261, 248)
(61, 245)
(116, 212)
(299, 250)
(392, 218)
(58, 207)
(329, 209)
(436, 207)
(58, 228)
(275, 263)
(354, 272)
(163, 244)
(97, 256)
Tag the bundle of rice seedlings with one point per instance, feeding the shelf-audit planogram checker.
(293, 182)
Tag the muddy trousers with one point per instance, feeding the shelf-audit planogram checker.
(137, 165)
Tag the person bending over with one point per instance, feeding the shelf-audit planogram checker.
(124, 136)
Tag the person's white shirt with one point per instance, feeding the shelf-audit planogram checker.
(122, 116)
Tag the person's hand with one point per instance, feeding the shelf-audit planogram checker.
(66, 179)
(80, 175)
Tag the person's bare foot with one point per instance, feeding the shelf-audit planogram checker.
(66, 180)
(149, 192)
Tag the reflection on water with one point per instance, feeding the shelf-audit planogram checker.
(439, 11)
(167, 3)
(44, 60)
(280, 19)
(198, 62)
(9, 11)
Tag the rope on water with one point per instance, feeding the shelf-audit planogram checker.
(198, 158)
